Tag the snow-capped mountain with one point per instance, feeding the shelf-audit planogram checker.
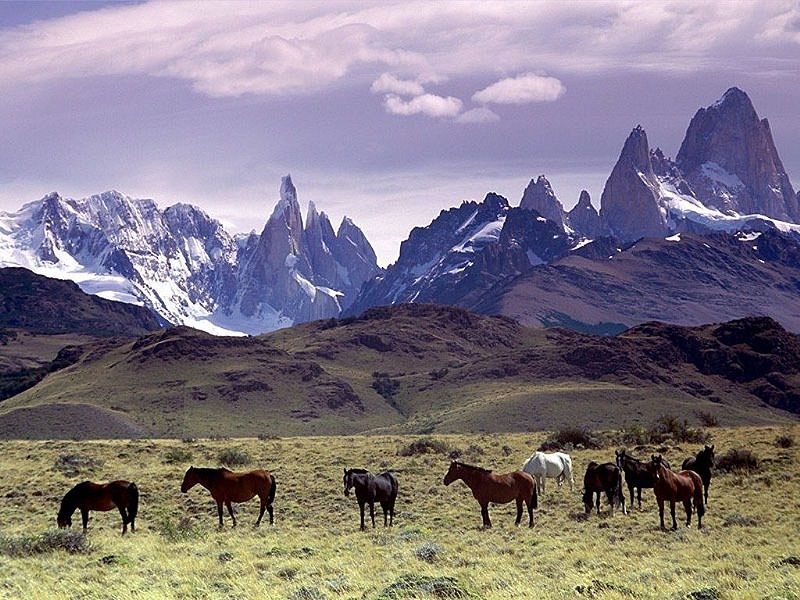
(183, 265)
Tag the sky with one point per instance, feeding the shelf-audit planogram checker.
(385, 112)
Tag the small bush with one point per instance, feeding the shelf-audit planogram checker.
(307, 593)
(707, 419)
(437, 374)
(668, 427)
(507, 450)
(73, 464)
(709, 593)
(740, 520)
(737, 460)
(424, 446)
(415, 586)
(73, 542)
(386, 386)
(177, 455)
(233, 457)
(428, 552)
(178, 531)
(634, 435)
(572, 437)
(188, 440)
(784, 441)
(266, 437)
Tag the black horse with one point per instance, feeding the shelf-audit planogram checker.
(370, 488)
(603, 478)
(637, 474)
(701, 464)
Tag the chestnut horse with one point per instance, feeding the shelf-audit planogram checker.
(500, 489)
(677, 487)
(88, 496)
(227, 486)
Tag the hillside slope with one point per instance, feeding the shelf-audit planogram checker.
(419, 368)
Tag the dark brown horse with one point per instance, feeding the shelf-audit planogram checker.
(500, 489)
(371, 488)
(227, 486)
(677, 487)
(637, 474)
(88, 496)
(701, 464)
(603, 478)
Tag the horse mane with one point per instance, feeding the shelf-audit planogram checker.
(358, 471)
(473, 467)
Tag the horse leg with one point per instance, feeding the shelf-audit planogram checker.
(639, 497)
(519, 512)
(361, 509)
(687, 506)
(661, 513)
(261, 510)
(672, 512)
(529, 503)
(706, 485)
(124, 519)
(391, 514)
(597, 502)
(372, 513)
(487, 524)
(385, 507)
(219, 512)
(230, 511)
(542, 478)
(630, 489)
(85, 518)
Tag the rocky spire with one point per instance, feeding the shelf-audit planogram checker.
(584, 219)
(729, 158)
(630, 196)
(539, 196)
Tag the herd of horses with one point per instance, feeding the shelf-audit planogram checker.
(688, 486)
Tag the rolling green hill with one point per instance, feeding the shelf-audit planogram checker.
(412, 368)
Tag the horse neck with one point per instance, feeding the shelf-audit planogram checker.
(360, 480)
(470, 477)
(206, 477)
(68, 504)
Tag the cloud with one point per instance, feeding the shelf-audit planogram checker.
(521, 90)
(282, 48)
(388, 83)
(429, 105)
(478, 115)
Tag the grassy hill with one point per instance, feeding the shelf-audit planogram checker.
(413, 369)
(747, 548)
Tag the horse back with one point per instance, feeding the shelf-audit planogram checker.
(386, 486)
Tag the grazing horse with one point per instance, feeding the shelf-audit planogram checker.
(227, 486)
(88, 496)
(637, 474)
(603, 478)
(556, 465)
(701, 464)
(501, 489)
(677, 487)
(369, 488)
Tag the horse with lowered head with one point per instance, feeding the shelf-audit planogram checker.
(227, 486)
(369, 488)
(603, 478)
(701, 464)
(685, 486)
(556, 465)
(637, 474)
(86, 496)
(501, 489)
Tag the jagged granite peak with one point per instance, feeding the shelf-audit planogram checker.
(629, 204)
(729, 157)
(584, 218)
(539, 196)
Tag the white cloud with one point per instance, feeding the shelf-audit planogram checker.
(389, 84)
(279, 48)
(478, 115)
(521, 90)
(429, 105)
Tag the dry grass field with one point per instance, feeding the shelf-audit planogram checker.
(750, 547)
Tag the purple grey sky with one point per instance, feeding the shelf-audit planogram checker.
(386, 112)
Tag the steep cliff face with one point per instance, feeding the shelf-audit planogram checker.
(729, 158)
(630, 197)
(584, 218)
(539, 196)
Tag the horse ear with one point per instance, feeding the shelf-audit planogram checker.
(345, 471)
(712, 447)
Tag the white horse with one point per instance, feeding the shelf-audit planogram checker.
(556, 465)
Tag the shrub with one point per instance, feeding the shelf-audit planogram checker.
(634, 435)
(265, 437)
(507, 450)
(415, 586)
(177, 455)
(73, 542)
(188, 440)
(571, 437)
(178, 531)
(386, 386)
(72, 464)
(428, 552)
(707, 419)
(738, 459)
(784, 441)
(437, 374)
(670, 427)
(233, 457)
(740, 520)
(307, 593)
(424, 446)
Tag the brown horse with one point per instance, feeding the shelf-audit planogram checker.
(602, 478)
(684, 486)
(88, 496)
(500, 489)
(227, 486)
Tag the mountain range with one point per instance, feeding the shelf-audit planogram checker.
(713, 234)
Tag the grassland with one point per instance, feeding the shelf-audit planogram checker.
(315, 550)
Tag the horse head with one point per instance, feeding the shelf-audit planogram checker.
(64, 520)
(452, 473)
(347, 481)
(189, 480)
(620, 454)
(588, 503)
(708, 454)
(656, 462)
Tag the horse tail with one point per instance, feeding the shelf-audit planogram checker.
(699, 506)
(567, 461)
(271, 497)
(133, 502)
(535, 495)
